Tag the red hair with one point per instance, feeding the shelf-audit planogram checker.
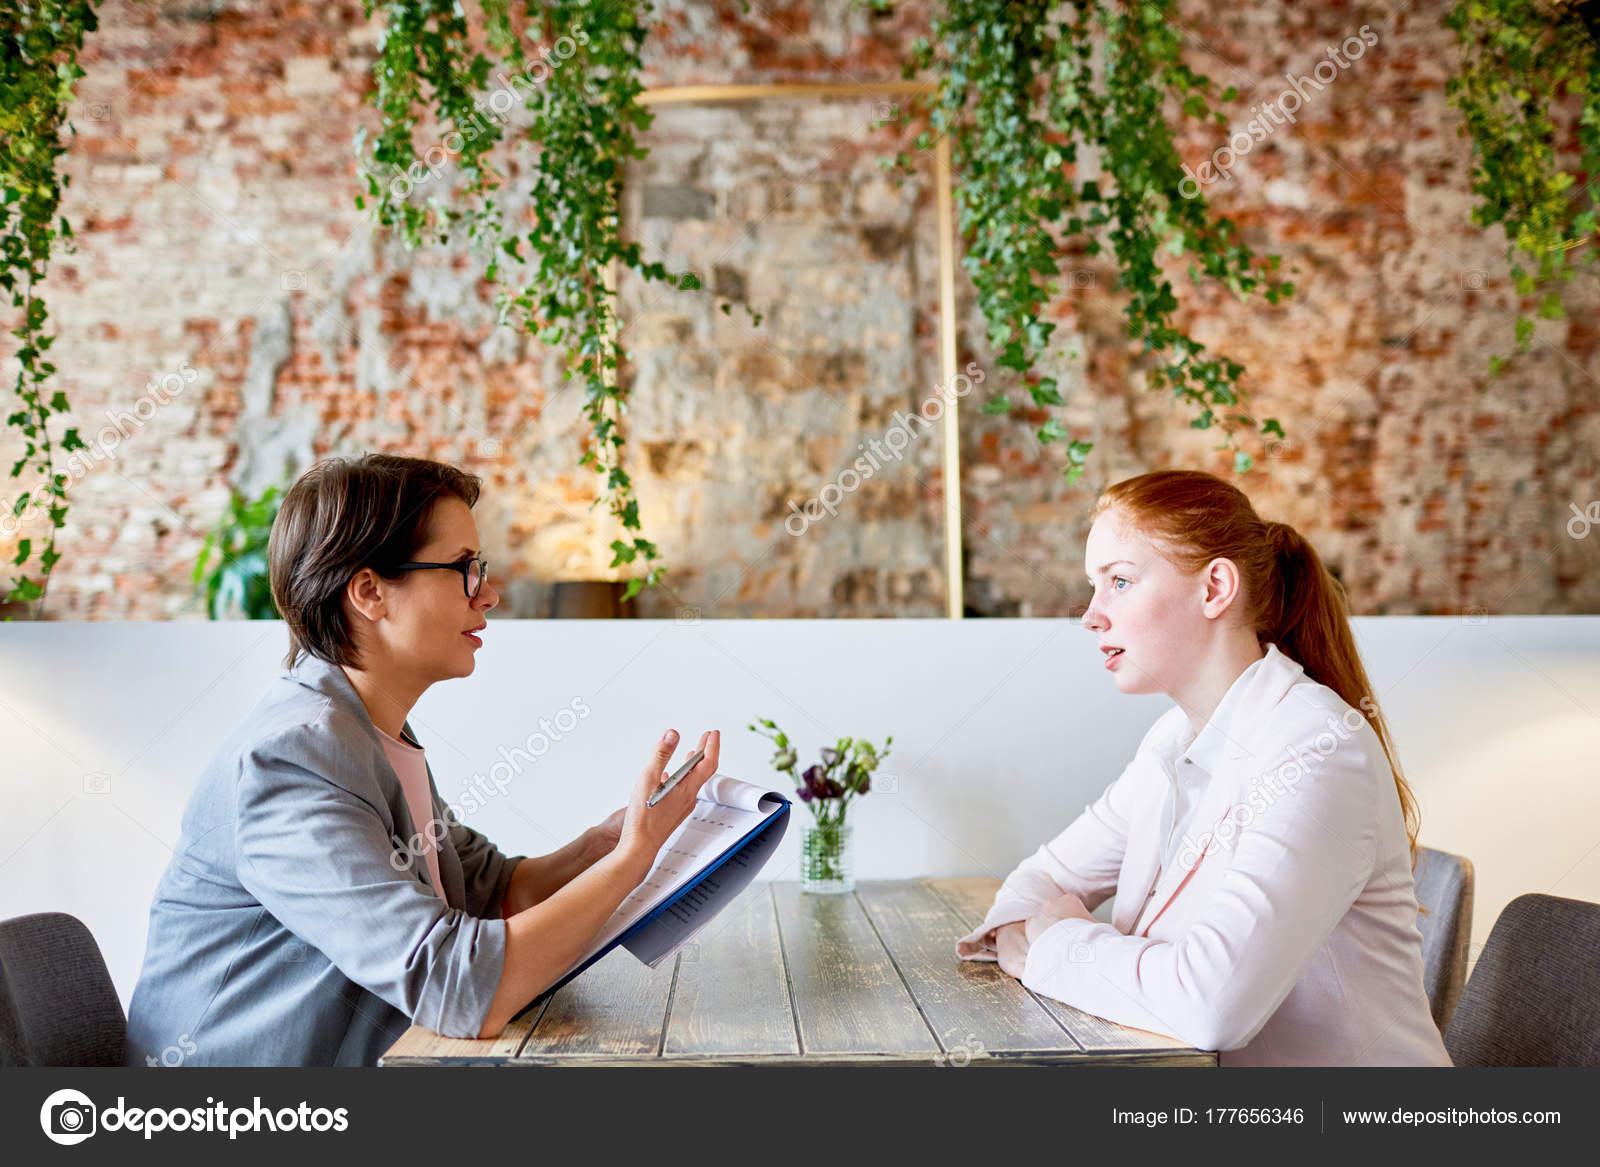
(1290, 598)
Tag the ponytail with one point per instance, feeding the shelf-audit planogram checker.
(1292, 599)
(1309, 621)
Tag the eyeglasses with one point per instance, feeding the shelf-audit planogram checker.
(473, 572)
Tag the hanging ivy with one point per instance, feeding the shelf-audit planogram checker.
(1019, 95)
(38, 69)
(1022, 100)
(574, 67)
(1528, 78)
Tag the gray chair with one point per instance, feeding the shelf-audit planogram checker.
(1444, 888)
(58, 1006)
(1533, 998)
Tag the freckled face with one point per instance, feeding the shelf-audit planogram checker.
(1144, 605)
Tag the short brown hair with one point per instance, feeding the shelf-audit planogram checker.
(340, 516)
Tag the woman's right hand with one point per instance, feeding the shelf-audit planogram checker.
(1011, 947)
(646, 828)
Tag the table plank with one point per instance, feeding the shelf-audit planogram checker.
(970, 897)
(732, 995)
(785, 978)
(848, 996)
(423, 1047)
(970, 1006)
(615, 1008)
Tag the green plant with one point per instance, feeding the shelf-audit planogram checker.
(1529, 75)
(1018, 94)
(1021, 99)
(552, 277)
(231, 572)
(38, 69)
(827, 787)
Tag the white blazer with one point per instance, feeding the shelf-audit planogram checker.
(1285, 932)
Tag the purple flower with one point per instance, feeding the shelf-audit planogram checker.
(810, 784)
(830, 757)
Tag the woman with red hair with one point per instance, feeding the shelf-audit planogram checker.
(1261, 842)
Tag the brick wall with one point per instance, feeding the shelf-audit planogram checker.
(230, 305)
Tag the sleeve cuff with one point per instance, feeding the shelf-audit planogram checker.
(457, 1003)
(1066, 942)
(979, 943)
(1093, 967)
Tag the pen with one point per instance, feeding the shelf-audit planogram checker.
(677, 776)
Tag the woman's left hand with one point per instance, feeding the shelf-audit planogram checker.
(1063, 907)
(603, 838)
(535, 880)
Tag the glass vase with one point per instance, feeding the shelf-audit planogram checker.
(827, 861)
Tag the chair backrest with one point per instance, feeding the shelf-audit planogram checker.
(1533, 998)
(1444, 887)
(58, 1006)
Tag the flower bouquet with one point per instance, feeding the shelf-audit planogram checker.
(826, 861)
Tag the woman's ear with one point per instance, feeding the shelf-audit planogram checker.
(364, 595)
(1221, 581)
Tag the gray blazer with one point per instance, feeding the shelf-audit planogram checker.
(294, 926)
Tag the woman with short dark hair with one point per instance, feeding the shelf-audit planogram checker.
(322, 897)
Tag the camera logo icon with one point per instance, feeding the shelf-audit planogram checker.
(68, 1117)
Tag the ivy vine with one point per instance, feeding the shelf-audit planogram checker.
(1021, 99)
(38, 69)
(1023, 88)
(580, 90)
(1523, 65)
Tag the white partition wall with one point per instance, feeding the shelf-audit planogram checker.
(1004, 730)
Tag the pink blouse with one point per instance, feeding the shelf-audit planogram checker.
(412, 770)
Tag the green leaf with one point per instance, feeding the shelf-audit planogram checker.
(1045, 393)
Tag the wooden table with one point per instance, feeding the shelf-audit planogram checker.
(782, 978)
